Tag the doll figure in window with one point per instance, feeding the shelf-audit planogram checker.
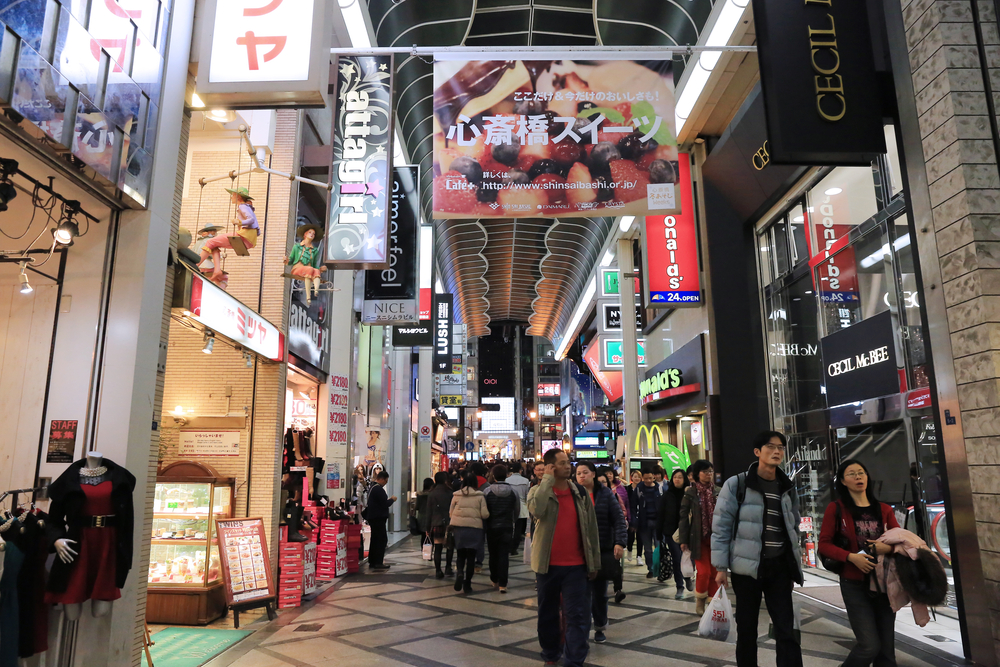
(244, 239)
(304, 260)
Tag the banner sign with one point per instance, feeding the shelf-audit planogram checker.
(391, 293)
(673, 458)
(611, 381)
(613, 353)
(357, 224)
(339, 389)
(611, 316)
(443, 323)
(413, 335)
(859, 362)
(821, 89)
(609, 283)
(214, 309)
(246, 564)
(670, 257)
(575, 136)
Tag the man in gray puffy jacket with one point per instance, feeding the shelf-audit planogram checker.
(755, 536)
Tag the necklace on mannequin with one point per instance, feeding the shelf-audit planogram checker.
(93, 472)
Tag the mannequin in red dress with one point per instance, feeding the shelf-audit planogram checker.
(101, 501)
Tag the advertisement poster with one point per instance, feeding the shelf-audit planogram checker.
(246, 565)
(210, 443)
(554, 138)
(62, 441)
(610, 381)
(333, 475)
(358, 224)
(391, 293)
(339, 387)
(672, 275)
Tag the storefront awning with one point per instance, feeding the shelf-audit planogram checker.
(210, 308)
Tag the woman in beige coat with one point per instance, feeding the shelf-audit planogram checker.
(468, 509)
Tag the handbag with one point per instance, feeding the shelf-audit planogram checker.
(427, 550)
(666, 563)
(611, 567)
(839, 540)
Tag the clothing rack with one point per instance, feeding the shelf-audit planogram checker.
(17, 492)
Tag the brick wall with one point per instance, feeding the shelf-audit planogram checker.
(964, 187)
(199, 381)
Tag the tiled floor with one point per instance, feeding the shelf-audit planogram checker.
(407, 617)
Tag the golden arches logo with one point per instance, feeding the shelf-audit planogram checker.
(653, 437)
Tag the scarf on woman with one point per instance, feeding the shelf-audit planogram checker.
(706, 498)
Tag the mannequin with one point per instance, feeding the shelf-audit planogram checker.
(90, 520)
(304, 259)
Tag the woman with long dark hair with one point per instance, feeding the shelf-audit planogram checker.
(670, 517)
(697, 512)
(635, 481)
(851, 526)
(438, 519)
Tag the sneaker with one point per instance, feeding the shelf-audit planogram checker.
(628, 555)
(650, 575)
(689, 582)
(680, 594)
(619, 596)
(600, 637)
(638, 561)
(503, 589)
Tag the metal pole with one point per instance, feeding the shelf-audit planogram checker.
(630, 372)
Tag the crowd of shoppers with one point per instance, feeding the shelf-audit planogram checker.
(580, 524)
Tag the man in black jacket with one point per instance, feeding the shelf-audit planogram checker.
(378, 515)
(504, 507)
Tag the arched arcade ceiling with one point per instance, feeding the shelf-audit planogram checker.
(529, 270)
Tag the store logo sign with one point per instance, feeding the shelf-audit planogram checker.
(216, 310)
(671, 378)
(670, 257)
(860, 361)
(761, 158)
(876, 356)
(443, 324)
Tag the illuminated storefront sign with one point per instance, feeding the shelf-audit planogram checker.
(613, 353)
(443, 324)
(548, 389)
(859, 362)
(391, 293)
(672, 277)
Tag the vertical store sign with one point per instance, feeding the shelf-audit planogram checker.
(358, 219)
(443, 322)
(391, 293)
(670, 259)
(339, 389)
(820, 86)
(278, 46)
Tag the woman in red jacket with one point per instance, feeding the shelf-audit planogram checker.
(850, 527)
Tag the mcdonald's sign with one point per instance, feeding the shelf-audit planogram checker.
(653, 437)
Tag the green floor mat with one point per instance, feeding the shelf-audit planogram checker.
(190, 647)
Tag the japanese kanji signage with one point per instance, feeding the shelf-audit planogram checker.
(443, 320)
(62, 441)
(554, 138)
(391, 293)
(358, 223)
(214, 309)
(264, 53)
(339, 390)
(670, 259)
(613, 353)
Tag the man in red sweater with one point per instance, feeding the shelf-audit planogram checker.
(565, 554)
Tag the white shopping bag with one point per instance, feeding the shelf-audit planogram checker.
(428, 549)
(718, 622)
(527, 549)
(687, 565)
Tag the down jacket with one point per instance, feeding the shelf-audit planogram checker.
(468, 508)
(611, 527)
(504, 507)
(742, 555)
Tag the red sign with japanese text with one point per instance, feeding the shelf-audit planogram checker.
(611, 381)
(568, 137)
(671, 252)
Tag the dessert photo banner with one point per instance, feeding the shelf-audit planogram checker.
(567, 137)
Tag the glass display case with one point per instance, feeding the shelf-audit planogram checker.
(185, 578)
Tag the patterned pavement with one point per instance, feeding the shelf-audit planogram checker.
(407, 617)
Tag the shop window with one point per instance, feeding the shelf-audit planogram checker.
(843, 199)
(797, 234)
(793, 348)
(852, 283)
(907, 304)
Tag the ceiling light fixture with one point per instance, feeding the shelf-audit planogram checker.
(67, 229)
(609, 257)
(726, 22)
(249, 359)
(209, 342)
(581, 309)
(357, 27)
(196, 101)
(25, 285)
(221, 115)
(626, 223)
(8, 168)
(830, 192)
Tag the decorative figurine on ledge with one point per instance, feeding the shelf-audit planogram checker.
(245, 237)
(304, 261)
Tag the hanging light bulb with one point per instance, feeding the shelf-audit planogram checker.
(209, 343)
(25, 285)
(67, 229)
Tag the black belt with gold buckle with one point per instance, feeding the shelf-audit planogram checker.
(97, 521)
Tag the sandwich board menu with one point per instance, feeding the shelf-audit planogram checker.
(246, 563)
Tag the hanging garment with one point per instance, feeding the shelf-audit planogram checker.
(13, 558)
(92, 576)
(33, 612)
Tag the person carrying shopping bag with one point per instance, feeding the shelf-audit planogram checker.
(695, 526)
